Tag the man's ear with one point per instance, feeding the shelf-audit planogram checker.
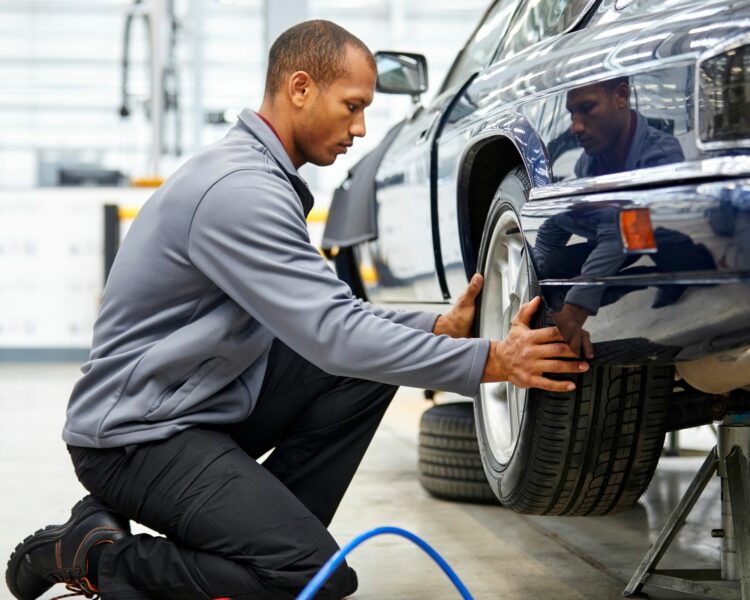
(300, 86)
(622, 95)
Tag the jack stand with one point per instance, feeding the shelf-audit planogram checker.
(732, 581)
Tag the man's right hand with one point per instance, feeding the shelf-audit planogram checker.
(570, 322)
(526, 354)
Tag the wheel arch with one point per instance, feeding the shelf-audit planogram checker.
(483, 167)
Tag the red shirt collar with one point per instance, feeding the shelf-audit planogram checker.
(267, 122)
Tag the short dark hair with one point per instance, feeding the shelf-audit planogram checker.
(611, 84)
(316, 47)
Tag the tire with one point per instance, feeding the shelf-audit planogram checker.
(450, 466)
(592, 451)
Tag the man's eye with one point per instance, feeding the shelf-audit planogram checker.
(351, 106)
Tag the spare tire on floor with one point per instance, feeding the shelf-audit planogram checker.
(450, 466)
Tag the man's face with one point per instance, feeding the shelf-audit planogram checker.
(333, 116)
(597, 117)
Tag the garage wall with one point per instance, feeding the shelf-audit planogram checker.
(61, 73)
(59, 102)
(60, 68)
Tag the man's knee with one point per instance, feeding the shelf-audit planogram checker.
(342, 583)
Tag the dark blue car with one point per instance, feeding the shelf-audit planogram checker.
(596, 152)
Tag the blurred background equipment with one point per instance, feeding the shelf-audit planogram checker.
(163, 101)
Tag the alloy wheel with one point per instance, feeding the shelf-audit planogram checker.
(506, 287)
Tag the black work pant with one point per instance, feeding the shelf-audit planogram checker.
(235, 528)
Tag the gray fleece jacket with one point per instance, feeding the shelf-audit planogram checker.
(217, 264)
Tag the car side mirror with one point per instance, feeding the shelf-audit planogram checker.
(401, 73)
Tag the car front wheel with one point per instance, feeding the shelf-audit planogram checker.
(592, 451)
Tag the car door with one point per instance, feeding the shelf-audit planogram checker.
(403, 255)
(406, 255)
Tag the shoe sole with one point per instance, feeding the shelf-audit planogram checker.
(44, 536)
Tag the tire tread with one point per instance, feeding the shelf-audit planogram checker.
(450, 466)
(615, 434)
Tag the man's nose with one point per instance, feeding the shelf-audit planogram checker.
(357, 128)
(576, 127)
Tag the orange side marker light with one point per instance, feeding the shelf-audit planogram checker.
(635, 228)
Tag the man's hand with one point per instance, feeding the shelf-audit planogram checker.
(458, 322)
(526, 354)
(570, 321)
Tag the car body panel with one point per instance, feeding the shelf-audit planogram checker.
(697, 197)
(352, 212)
(703, 230)
(404, 256)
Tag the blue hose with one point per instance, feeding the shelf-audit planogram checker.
(317, 582)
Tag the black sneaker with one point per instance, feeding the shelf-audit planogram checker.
(58, 553)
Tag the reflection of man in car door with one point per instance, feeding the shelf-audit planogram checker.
(614, 137)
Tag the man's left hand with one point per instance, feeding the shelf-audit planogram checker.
(458, 322)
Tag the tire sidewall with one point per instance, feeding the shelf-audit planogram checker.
(505, 478)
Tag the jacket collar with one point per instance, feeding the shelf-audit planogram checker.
(249, 121)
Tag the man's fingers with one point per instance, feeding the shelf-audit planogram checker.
(476, 283)
(526, 312)
(588, 347)
(546, 335)
(552, 385)
(472, 290)
(554, 350)
(565, 366)
(575, 342)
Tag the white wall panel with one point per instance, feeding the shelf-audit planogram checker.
(51, 260)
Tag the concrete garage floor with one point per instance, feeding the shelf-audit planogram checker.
(498, 554)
